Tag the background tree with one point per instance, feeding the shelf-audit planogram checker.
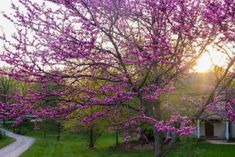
(50, 101)
(7, 89)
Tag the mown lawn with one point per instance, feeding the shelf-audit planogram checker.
(210, 150)
(75, 146)
(5, 141)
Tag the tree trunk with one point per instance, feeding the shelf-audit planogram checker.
(58, 131)
(91, 138)
(44, 124)
(154, 110)
(116, 135)
(44, 134)
(4, 123)
(158, 146)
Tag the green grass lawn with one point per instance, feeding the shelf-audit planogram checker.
(72, 145)
(5, 141)
(75, 146)
(211, 150)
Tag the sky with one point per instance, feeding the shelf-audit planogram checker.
(204, 63)
(5, 25)
(5, 6)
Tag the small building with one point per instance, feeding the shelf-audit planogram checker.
(215, 126)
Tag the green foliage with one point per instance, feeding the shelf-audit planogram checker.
(147, 130)
(195, 86)
(51, 101)
(24, 127)
(49, 126)
(23, 87)
(188, 148)
(21, 131)
(7, 88)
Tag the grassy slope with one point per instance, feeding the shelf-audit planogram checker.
(6, 141)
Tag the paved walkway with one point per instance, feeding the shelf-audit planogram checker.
(16, 148)
(220, 142)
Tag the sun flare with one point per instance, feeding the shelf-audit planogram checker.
(210, 59)
(204, 64)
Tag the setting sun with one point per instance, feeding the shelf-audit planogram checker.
(210, 59)
(204, 64)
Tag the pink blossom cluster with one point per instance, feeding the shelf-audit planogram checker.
(230, 109)
(17, 112)
(180, 125)
(177, 124)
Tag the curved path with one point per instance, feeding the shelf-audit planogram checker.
(16, 148)
(220, 142)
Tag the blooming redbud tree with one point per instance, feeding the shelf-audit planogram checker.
(133, 50)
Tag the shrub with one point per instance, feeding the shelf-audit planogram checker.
(188, 148)
(147, 131)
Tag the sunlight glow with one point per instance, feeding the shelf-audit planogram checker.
(210, 59)
(204, 64)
